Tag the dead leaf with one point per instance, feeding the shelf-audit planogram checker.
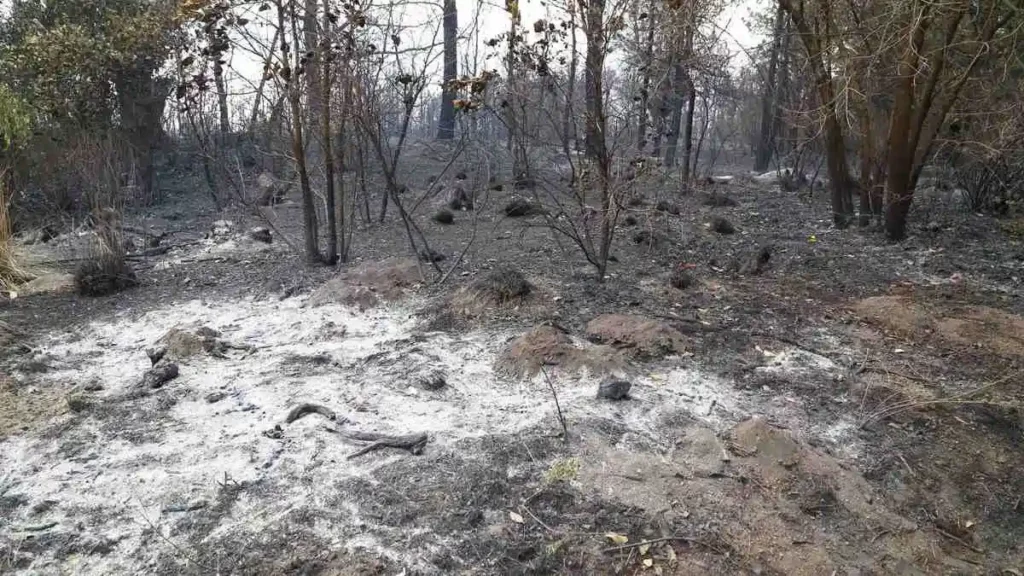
(648, 562)
(644, 548)
(518, 519)
(670, 552)
(618, 539)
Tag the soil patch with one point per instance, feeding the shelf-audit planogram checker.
(637, 336)
(24, 408)
(367, 285)
(994, 331)
(545, 346)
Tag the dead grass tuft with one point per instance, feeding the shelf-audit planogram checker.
(106, 271)
(11, 273)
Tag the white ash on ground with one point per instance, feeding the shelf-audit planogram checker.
(125, 472)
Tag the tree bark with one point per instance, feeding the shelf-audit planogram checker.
(688, 134)
(142, 98)
(766, 140)
(570, 94)
(593, 82)
(675, 123)
(222, 96)
(310, 225)
(326, 135)
(446, 121)
(835, 144)
(645, 89)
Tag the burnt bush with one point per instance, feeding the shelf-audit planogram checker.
(503, 285)
(444, 217)
(104, 276)
(992, 184)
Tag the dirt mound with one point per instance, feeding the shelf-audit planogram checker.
(502, 287)
(185, 343)
(366, 285)
(545, 346)
(638, 336)
(48, 282)
(990, 329)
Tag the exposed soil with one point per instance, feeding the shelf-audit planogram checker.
(808, 401)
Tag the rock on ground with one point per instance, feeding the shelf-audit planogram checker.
(185, 343)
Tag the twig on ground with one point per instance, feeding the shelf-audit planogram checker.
(961, 398)
(960, 540)
(178, 548)
(538, 520)
(888, 372)
(558, 407)
(632, 545)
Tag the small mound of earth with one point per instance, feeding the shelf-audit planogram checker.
(48, 282)
(991, 330)
(367, 285)
(778, 460)
(638, 336)
(183, 343)
(499, 288)
(542, 346)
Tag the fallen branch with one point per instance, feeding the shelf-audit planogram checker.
(889, 372)
(308, 408)
(689, 539)
(414, 443)
(960, 540)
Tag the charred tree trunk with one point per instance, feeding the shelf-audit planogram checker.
(593, 82)
(222, 95)
(446, 121)
(766, 140)
(912, 135)
(311, 226)
(835, 143)
(142, 98)
(570, 93)
(678, 100)
(596, 126)
(645, 89)
(326, 135)
(783, 96)
(311, 64)
(688, 169)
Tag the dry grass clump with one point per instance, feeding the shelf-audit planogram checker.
(106, 271)
(11, 274)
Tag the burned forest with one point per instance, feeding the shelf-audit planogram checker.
(377, 287)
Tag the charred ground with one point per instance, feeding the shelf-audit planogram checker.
(916, 348)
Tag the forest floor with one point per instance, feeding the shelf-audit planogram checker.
(852, 407)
